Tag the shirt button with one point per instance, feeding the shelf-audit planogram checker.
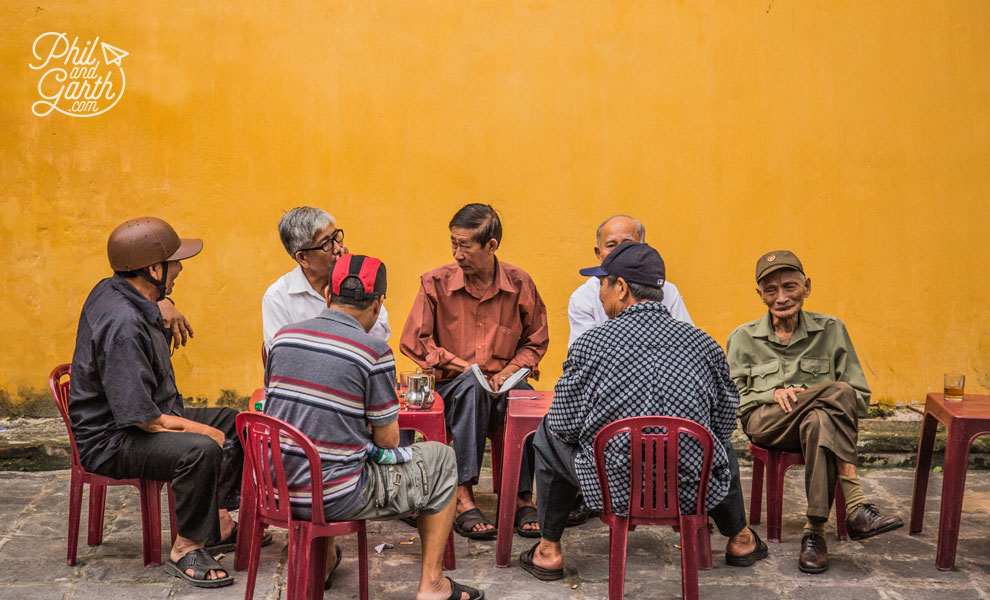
(480, 325)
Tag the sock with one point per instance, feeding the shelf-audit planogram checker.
(855, 498)
(816, 526)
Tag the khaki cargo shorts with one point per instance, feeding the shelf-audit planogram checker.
(425, 484)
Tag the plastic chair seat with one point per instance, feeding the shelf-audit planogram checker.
(653, 495)
(149, 490)
(776, 463)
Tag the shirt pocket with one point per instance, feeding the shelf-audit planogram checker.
(816, 368)
(505, 343)
(766, 376)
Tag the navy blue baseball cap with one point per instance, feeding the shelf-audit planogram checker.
(633, 261)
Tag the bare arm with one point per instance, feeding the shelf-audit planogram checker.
(175, 321)
(386, 436)
(171, 423)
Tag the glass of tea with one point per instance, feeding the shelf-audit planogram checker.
(955, 384)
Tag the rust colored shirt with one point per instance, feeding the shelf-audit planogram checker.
(508, 324)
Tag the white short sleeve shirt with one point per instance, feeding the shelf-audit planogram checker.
(292, 299)
(585, 310)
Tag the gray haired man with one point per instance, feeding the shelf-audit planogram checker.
(311, 237)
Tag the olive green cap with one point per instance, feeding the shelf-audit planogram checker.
(775, 261)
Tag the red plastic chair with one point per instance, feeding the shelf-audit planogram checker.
(150, 491)
(777, 463)
(653, 498)
(260, 436)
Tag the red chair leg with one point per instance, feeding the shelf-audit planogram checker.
(921, 472)
(97, 502)
(298, 563)
(953, 485)
(246, 518)
(363, 561)
(689, 557)
(254, 545)
(840, 513)
(75, 512)
(511, 459)
(151, 522)
(618, 535)
(704, 546)
(756, 496)
(319, 548)
(449, 559)
(775, 496)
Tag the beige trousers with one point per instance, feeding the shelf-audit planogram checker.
(823, 426)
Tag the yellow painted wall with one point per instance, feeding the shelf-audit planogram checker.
(856, 134)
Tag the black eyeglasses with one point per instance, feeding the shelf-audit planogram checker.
(336, 238)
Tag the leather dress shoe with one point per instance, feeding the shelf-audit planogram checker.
(814, 554)
(869, 522)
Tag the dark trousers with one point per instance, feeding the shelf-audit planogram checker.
(557, 487)
(470, 413)
(204, 477)
(823, 426)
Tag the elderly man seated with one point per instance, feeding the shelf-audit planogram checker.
(803, 389)
(336, 383)
(640, 362)
(311, 238)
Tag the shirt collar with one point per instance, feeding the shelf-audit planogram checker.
(339, 316)
(643, 307)
(806, 325)
(502, 280)
(298, 284)
(148, 309)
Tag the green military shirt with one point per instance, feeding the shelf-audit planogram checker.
(819, 352)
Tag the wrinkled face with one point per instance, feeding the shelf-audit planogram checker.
(318, 261)
(616, 231)
(784, 292)
(471, 256)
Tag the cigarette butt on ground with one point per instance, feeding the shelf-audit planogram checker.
(412, 538)
(574, 587)
(404, 543)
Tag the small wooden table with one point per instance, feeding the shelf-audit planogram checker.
(964, 421)
(523, 416)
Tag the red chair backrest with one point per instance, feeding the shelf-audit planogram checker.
(653, 464)
(261, 436)
(60, 392)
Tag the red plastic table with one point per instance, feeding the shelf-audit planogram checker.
(964, 421)
(525, 411)
(429, 422)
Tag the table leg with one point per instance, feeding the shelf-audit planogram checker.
(922, 470)
(953, 485)
(511, 459)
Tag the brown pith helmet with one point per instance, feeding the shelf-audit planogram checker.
(146, 241)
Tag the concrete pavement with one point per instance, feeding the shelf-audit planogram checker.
(33, 518)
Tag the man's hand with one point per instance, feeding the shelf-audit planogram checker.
(215, 434)
(457, 365)
(499, 378)
(785, 396)
(181, 329)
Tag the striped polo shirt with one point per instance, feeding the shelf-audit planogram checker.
(330, 379)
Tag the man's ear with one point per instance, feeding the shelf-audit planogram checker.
(326, 293)
(491, 245)
(155, 271)
(379, 302)
(623, 289)
(598, 253)
(759, 292)
(807, 286)
(301, 258)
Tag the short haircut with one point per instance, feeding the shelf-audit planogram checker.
(297, 227)
(639, 228)
(482, 218)
(642, 293)
(352, 284)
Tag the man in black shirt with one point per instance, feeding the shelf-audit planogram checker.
(127, 415)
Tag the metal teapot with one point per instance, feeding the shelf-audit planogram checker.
(419, 391)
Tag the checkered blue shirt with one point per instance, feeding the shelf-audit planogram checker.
(643, 362)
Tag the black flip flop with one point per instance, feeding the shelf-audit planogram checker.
(329, 582)
(465, 522)
(201, 563)
(456, 589)
(526, 562)
(747, 560)
(229, 543)
(578, 515)
(526, 514)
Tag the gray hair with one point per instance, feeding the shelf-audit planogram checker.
(297, 227)
(639, 228)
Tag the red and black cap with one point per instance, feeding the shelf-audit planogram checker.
(369, 271)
